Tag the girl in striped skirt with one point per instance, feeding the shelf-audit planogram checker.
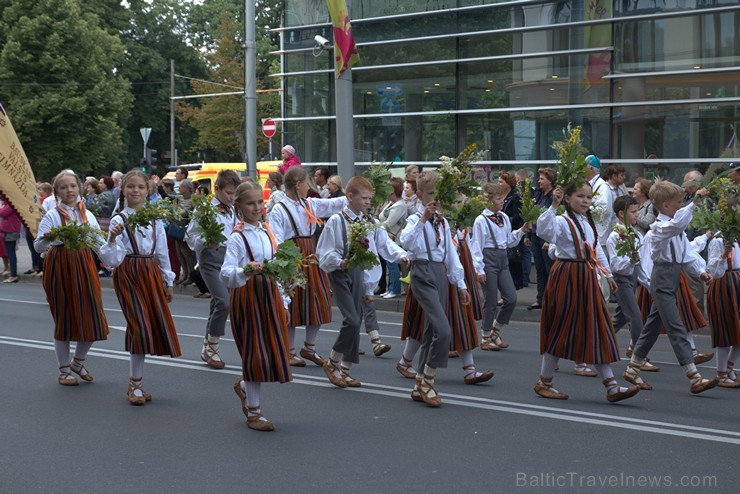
(71, 282)
(575, 322)
(257, 308)
(142, 270)
(297, 218)
(723, 307)
(688, 310)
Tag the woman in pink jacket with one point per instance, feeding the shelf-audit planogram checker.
(289, 159)
(10, 226)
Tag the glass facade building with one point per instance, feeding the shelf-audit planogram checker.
(654, 83)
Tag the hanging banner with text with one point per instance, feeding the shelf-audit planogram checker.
(17, 183)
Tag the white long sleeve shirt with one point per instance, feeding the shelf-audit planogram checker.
(556, 230)
(621, 264)
(330, 249)
(412, 239)
(113, 253)
(602, 199)
(52, 219)
(502, 238)
(716, 265)
(667, 232)
(236, 258)
(228, 221)
(283, 228)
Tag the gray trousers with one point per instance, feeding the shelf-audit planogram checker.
(664, 312)
(370, 315)
(429, 285)
(498, 277)
(210, 262)
(627, 302)
(347, 288)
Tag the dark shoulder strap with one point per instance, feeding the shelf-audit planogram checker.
(576, 237)
(246, 246)
(129, 233)
(290, 218)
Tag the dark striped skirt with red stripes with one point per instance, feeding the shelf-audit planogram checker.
(73, 292)
(471, 279)
(691, 316)
(311, 306)
(139, 287)
(575, 323)
(723, 308)
(260, 329)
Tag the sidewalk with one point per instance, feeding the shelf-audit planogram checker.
(526, 296)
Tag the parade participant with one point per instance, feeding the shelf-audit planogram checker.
(492, 235)
(257, 307)
(626, 270)
(352, 287)
(210, 259)
(671, 253)
(71, 281)
(142, 269)
(575, 322)
(428, 241)
(296, 217)
(723, 303)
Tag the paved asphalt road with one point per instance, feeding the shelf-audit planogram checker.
(493, 437)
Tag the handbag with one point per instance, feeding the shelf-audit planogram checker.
(12, 236)
(514, 254)
(176, 231)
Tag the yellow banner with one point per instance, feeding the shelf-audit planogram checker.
(345, 51)
(597, 36)
(17, 183)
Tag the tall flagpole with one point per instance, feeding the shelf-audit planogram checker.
(250, 89)
(344, 124)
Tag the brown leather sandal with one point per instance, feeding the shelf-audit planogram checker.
(472, 378)
(427, 392)
(632, 376)
(133, 386)
(210, 355)
(242, 396)
(725, 381)
(308, 353)
(351, 382)
(334, 374)
(544, 388)
(66, 378)
(415, 395)
(379, 348)
(699, 384)
(77, 367)
(618, 395)
(497, 340)
(295, 361)
(583, 370)
(701, 358)
(403, 368)
(254, 422)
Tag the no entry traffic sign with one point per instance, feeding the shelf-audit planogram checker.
(268, 127)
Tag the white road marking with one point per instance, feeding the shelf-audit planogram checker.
(615, 421)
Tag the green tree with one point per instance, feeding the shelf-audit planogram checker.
(60, 83)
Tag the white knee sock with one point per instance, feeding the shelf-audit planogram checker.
(312, 334)
(690, 337)
(335, 356)
(409, 351)
(82, 348)
(549, 362)
(291, 339)
(137, 365)
(605, 372)
(61, 348)
(467, 357)
(253, 394)
(723, 355)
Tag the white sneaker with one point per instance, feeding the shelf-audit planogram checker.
(390, 295)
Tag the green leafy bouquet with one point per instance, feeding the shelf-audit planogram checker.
(205, 213)
(379, 176)
(456, 177)
(571, 165)
(359, 254)
(465, 215)
(286, 267)
(530, 211)
(627, 245)
(150, 212)
(77, 236)
(723, 212)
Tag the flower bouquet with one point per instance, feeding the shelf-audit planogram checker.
(456, 177)
(286, 267)
(379, 176)
(358, 248)
(150, 212)
(722, 213)
(465, 215)
(205, 213)
(529, 211)
(77, 236)
(571, 166)
(627, 245)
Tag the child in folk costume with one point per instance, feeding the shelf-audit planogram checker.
(626, 271)
(492, 235)
(575, 322)
(670, 253)
(691, 316)
(351, 286)
(723, 302)
(210, 258)
(257, 308)
(297, 218)
(71, 282)
(142, 270)
(428, 241)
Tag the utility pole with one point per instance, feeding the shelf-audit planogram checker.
(250, 89)
(173, 158)
(345, 123)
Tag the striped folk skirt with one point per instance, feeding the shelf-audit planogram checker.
(260, 330)
(471, 279)
(688, 310)
(460, 317)
(723, 307)
(140, 291)
(73, 293)
(311, 306)
(575, 323)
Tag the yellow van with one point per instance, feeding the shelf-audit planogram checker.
(205, 173)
